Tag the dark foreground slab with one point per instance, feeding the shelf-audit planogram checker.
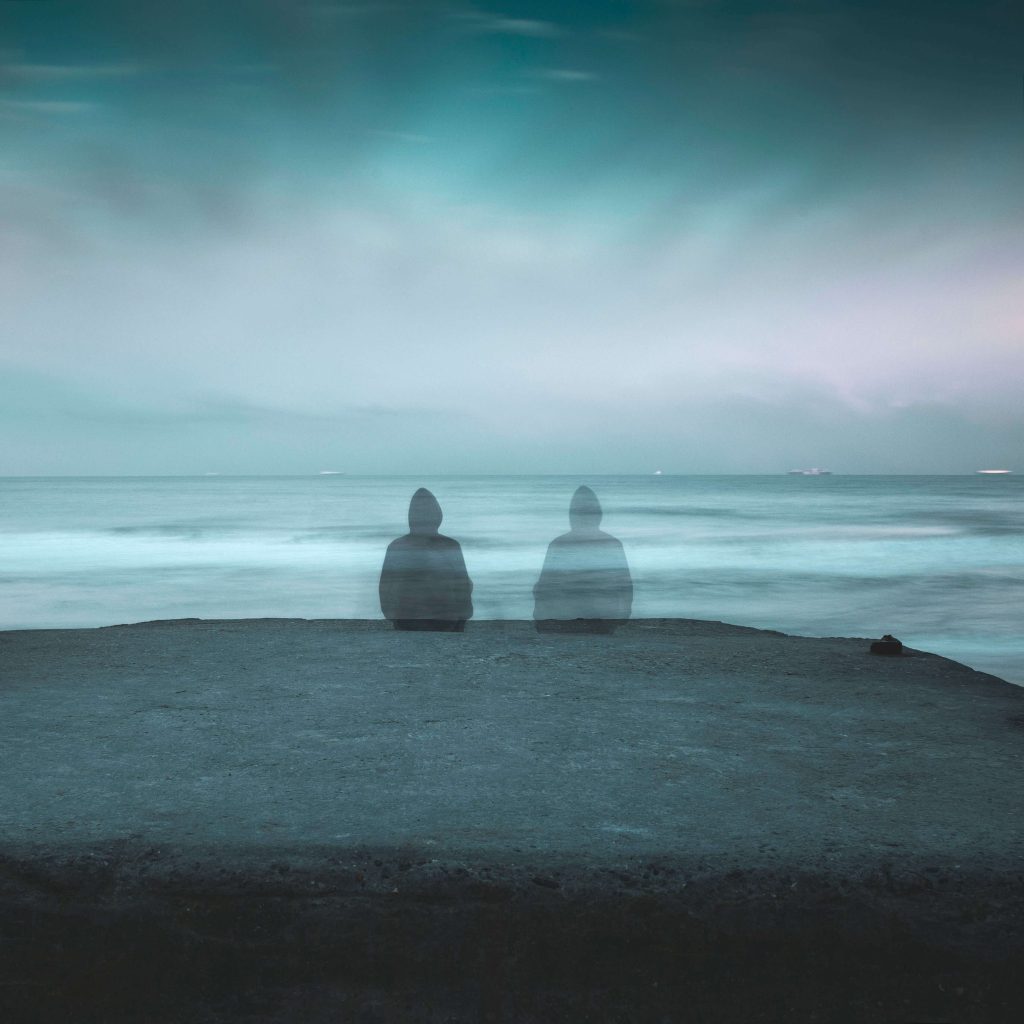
(326, 821)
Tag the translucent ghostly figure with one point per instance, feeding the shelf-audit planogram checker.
(585, 585)
(424, 583)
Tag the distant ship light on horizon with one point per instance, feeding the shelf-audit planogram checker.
(813, 471)
(993, 472)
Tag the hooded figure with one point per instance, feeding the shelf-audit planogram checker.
(585, 586)
(424, 583)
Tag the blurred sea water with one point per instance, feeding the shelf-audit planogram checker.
(936, 560)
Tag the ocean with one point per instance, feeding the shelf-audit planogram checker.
(938, 561)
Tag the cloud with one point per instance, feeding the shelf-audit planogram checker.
(523, 27)
(45, 107)
(671, 264)
(50, 73)
(499, 24)
(520, 320)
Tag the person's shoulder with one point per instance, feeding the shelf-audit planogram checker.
(564, 538)
(446, 542)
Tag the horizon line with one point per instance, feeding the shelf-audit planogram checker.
(429, 473)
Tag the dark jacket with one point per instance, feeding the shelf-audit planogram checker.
(424, 576)
(585, 574)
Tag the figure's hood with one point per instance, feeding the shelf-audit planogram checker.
(424, 512)
(584, 510)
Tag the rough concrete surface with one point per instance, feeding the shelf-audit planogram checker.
(323, 820)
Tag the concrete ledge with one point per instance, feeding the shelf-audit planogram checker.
(285, 820)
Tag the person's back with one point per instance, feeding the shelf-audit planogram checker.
(585, 584)
(424, 583)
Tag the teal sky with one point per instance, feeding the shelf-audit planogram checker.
(269, 236)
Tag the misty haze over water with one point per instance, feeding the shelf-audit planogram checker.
(937, 561)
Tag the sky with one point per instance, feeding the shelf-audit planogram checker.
(274, 236)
